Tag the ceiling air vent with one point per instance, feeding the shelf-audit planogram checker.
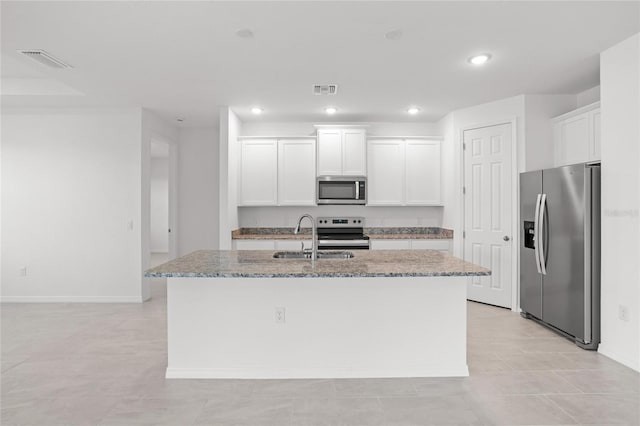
(44, 58)
(325, 89)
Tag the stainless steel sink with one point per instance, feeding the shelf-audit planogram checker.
(335, 255)
(291, 255)
(307, 255)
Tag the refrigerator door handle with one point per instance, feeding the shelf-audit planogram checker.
(536, 227)
(540, 242)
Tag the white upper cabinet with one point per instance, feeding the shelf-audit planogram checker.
(258, 184)
(296, 172)
(423, 171)
(385, 182)
(354, 152)
(277, 172)
(404, 172)
(576, 136)
(341, 152)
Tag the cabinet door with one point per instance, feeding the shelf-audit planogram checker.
(258, 172)
(390, 244)
(296, 172)
(443, 245)
(594, 149)
(573, 143)
(422, 171)
(354, 152)
(329, 152)
(385, 159)
(292, 245)
(254, 244)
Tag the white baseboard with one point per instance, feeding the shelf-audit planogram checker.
(628, 362)
(71, 299)
(312, 373)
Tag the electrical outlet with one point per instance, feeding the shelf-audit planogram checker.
(623, 313)
(23, 271)
(280, 315)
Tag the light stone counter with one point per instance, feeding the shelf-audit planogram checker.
(379, 233)
(365, 263)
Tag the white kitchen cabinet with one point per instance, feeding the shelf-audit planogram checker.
(296, 172)
(341, 152)
(288, 245)
(577, 136)
(254, 245)
(390, 244)
(385, 182)
(258, 184)
(292, 245)
(442, 245)
(404, 172)
(277, 171)
(423, 184)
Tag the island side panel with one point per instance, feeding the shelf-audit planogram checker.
(334, 327)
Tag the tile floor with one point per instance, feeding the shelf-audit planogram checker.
(95, 364)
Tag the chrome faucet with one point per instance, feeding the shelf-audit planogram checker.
(314, 234)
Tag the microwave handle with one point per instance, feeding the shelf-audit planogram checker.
(357, 190)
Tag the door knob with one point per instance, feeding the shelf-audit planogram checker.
(506, 238)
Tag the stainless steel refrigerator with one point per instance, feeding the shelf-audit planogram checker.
(560, 250)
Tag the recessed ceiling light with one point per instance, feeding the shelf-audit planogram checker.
(256, 110)
(413, 110)
(479, 59)
(393, 35)
(331, 110)
(244, 33)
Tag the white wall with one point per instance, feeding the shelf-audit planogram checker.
(259, 128)
(587, 97)
(159, 205)
(287, 217)
(198, 212)
(230, 129)
(71, 200)
(538, 142)
(620, 106)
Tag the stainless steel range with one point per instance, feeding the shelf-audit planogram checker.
(341, 233)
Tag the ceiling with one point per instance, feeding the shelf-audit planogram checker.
(184, 59)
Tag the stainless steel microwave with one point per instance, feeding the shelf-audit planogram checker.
(341, 190)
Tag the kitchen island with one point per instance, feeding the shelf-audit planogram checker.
(245, 314)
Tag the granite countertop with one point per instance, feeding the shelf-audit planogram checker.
(388, 233)
(365, 263)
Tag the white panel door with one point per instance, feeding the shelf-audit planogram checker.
(354, 152)
(258, 172)
(296, 172)
(487, 212)
(422, 169)
(329, 152)
(386, 172)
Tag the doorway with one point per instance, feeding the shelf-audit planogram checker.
(488, 211)
(159, 203)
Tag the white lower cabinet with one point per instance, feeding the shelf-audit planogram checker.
(254, 245)
(443, 245)
(404, 172)
(288, 245)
